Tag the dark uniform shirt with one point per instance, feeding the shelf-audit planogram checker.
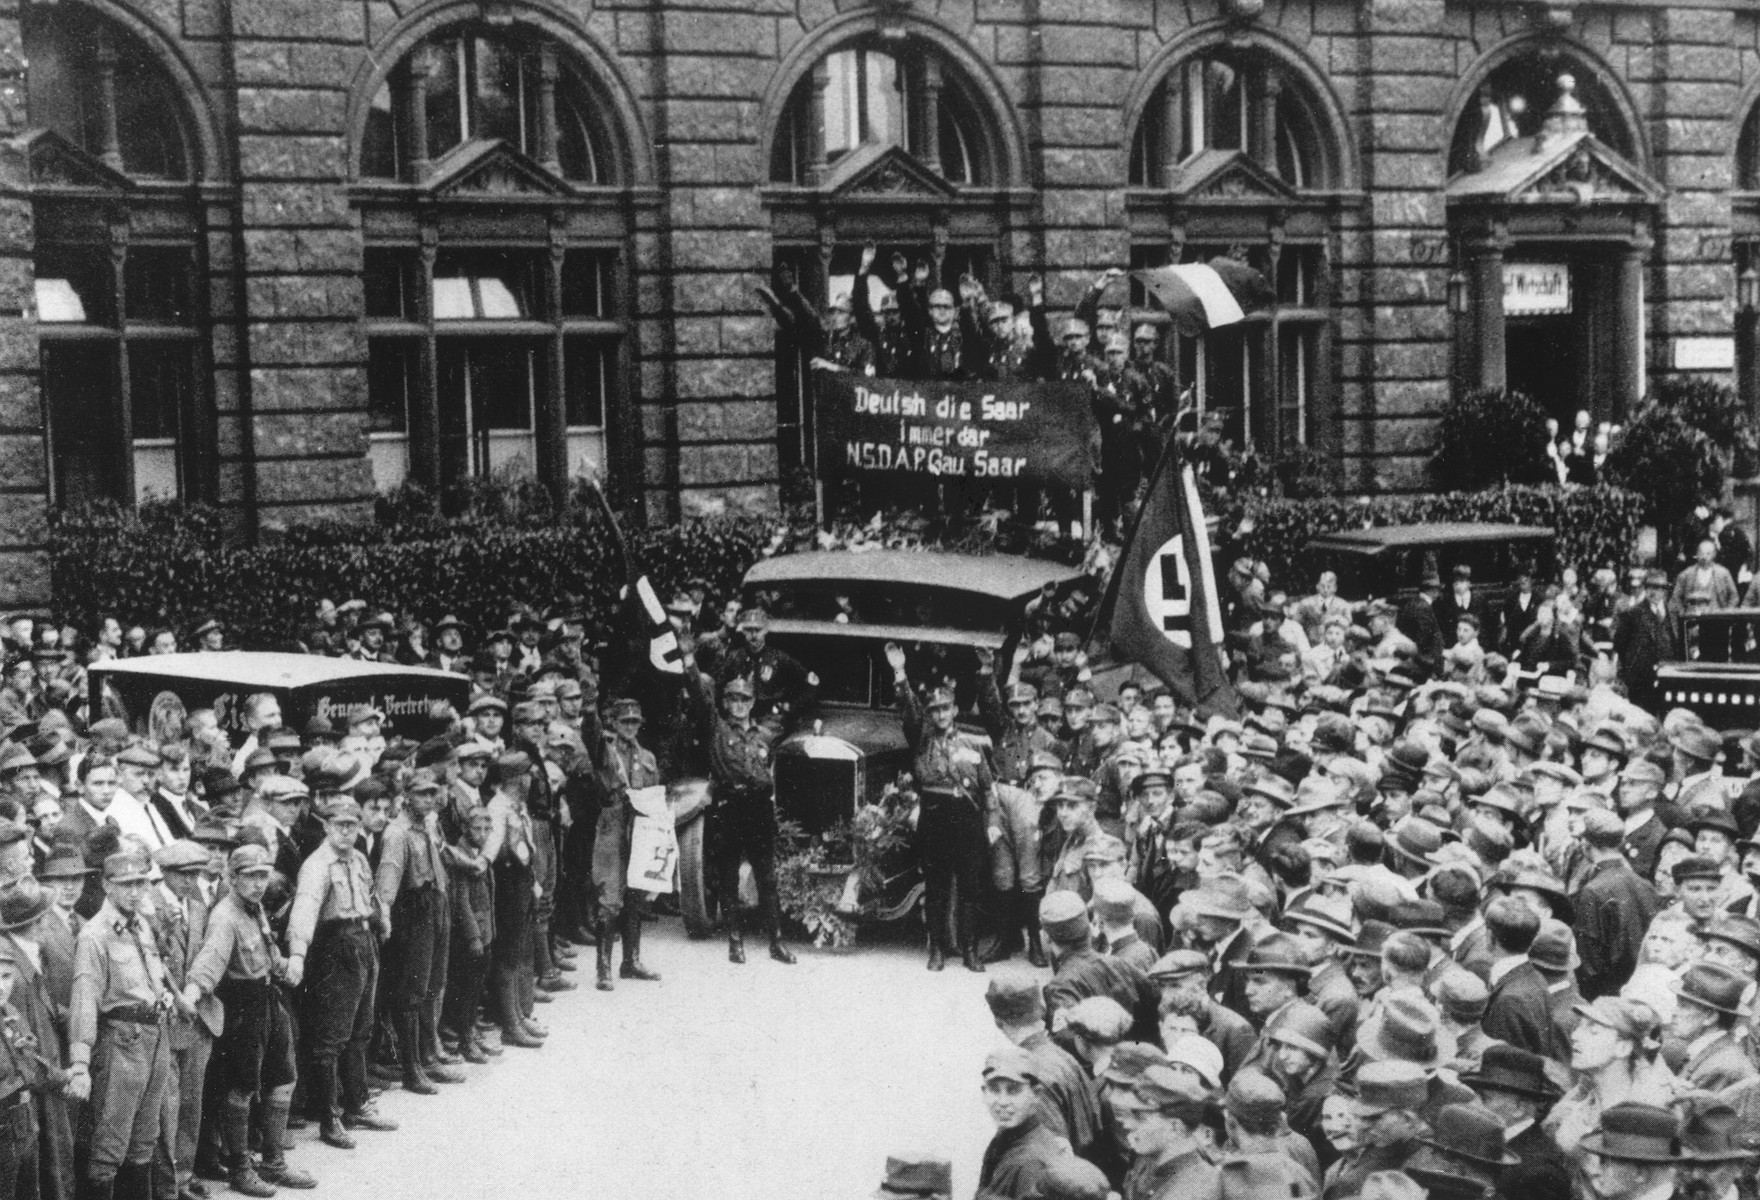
(782, 685)
(1085, 973)
(1015, 1161)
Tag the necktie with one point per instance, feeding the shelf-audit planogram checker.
(134, 935)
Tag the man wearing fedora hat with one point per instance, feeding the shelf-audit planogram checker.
(1635, 797)
(1159, 1117)
(1513, 1085)
(1466, 1142)
(25, 911)
(1634, 1154)
(1275, 973)
(1389, 1095)
(1719, 1148)
(1710, 1002)
(450, 652)
(1614, 907)
(1733, 940)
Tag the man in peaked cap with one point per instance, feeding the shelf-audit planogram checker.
(1079, 971)
(1069, 1101)
(181, 925)
(411, 882)
(623, 765)
(1012, 723)
(953, 784)
(1022, 1147)
(742, 824)
(1644, 637)
(118, 1043)
(783, 690)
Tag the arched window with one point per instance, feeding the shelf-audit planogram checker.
(1233, 98)
(899, 94)
(1515, 97)
(497, 287)
(474, 85)
(118, 263)
(1235, 154)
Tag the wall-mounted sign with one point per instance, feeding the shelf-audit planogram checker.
(1705, 354)
(1531, 289)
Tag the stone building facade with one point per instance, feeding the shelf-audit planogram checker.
(281, 254)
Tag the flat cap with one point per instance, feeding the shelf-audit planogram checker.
(139, 755)
(181, 855)
(1063, 916)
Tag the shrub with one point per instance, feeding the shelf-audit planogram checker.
(1490, 437)
(1670, 462)
(1595, 525)
(174, 566)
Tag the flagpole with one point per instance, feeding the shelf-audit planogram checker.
(1103, 613)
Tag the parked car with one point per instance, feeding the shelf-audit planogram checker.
(1388, 561)
(1720, 677)
(154, 694)
(835, 611)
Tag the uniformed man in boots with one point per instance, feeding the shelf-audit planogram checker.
(953, 781)
(253, 1057)
(118, 1041)
(411, 887)
(742, 818)
(181, 926)
(333, 939)
(624, 765)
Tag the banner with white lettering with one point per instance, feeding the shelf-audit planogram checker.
(1037, 432)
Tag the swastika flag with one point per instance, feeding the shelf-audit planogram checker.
(1161, 607)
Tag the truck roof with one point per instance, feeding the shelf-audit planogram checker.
(262, 668)
(1385, 537)
(997, 576)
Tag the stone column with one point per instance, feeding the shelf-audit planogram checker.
(817, 152)
(548, 156)
(1627, 374)
(929, 112)
(124, 431)
(424, 414)
(408, 85)
(1485, 272)
(551, 423)
(1173, 127)
(109, 149)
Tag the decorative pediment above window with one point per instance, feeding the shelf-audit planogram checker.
(1577, 169)
(1228, 176)
(492, 169)
(876, 171)
(42, 161)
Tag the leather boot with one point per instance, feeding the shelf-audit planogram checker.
(1009, 934)
(235, 1139)
(133, 1182)
(321, 1084)
(105, 1189)
(410, 1055)
(1030, 915)
(965, 929)
(632, 967)
(773, 914)
(602, 956)
(275, 1168)
(471, 1050)
(513, 1030)
(432, 1066)
(736, 938)
(937, 955)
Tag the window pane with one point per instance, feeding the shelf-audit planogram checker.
(79, 402)
(497, 93)
(146, 129)
(158, 384)
(487, 285)
(863, 101)
(586, 282)
(86, 271)
(440, 101)
(380, 153)
(575, 144)
(391, 380)
(1297, 346)
(58, 302)
(389, 274)
(586, 367)
(1297, 275)
(159, 284)
(501, 378)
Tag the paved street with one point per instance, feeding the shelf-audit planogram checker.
(721, 1081)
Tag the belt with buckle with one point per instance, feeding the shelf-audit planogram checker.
(134, 1014)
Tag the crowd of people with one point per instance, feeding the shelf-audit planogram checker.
(1428, 917)
(1420, 921)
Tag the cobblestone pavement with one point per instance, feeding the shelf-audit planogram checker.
(788, 1083)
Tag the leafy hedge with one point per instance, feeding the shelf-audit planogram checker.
(175, 566)
(1491, 437)
(1595, 526)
